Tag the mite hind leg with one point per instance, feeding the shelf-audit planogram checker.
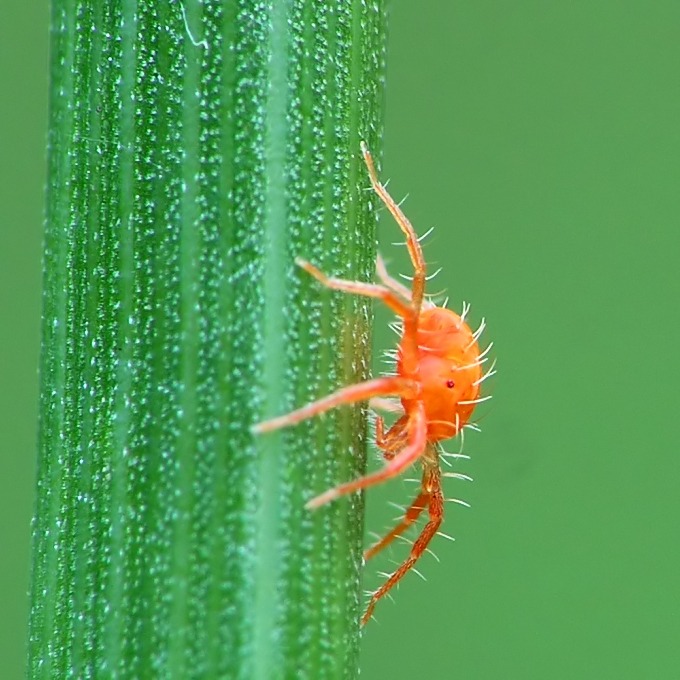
(412, 513)
(432, 485)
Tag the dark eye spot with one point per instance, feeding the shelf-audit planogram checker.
(450, 384)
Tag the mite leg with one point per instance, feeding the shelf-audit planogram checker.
(389, 405)
(407, 456)
(347, 395)
(388, 281)
(394, 440)
(436, 512)
(380, 268)
(412, 243)
(389, 297)
(410, 516)
(380, 433)
(381, 441)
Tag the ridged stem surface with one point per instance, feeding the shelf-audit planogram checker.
(195, 149)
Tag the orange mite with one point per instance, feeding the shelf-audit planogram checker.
(438, 380)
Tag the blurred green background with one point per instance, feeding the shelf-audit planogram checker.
(542, 141)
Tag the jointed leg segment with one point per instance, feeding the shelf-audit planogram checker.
(389, 297)
(432, 498)
(379, 387)
(389, 281)
(412, 243)
(407, 456)
(421, 501)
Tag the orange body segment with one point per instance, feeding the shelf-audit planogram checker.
(449, 372)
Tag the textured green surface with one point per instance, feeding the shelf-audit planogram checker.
(194, 151)
(540, 139)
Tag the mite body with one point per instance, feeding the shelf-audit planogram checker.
(448, 371)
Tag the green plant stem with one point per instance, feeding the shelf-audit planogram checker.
(194, 150)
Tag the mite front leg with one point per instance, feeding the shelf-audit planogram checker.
(347, 395)
(412, 243)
